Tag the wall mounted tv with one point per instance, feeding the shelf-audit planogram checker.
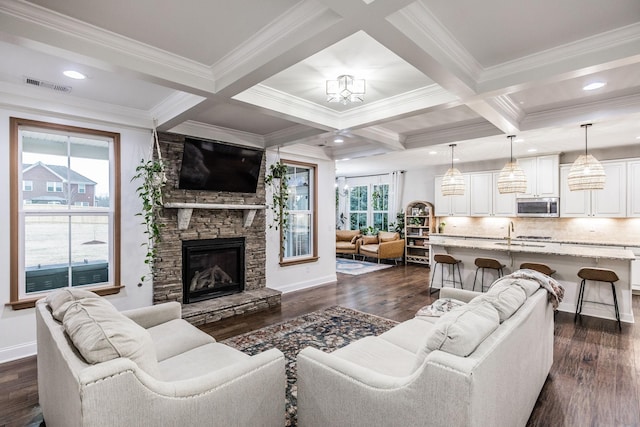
(215, 166)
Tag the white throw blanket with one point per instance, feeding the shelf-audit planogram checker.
(555, 289)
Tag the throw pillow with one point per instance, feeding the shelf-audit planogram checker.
(60, 300)
(461, 330)
(506, 300)
(354, 238)
(439, 307)
(101, 333)
(528, 286)
(388, 236)
(369, 240)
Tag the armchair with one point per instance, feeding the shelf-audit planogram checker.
(347, 241)
(386, 245)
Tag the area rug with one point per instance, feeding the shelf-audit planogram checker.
(326, 330)
(355, 267)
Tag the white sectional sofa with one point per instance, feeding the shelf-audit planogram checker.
(147, 367)
(478, 365)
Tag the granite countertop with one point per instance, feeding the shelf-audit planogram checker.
(617, 244)
(537, 247)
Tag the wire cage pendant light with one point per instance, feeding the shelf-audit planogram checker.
(452, 181)
(512, 178)
(586, 173)
(345, 89)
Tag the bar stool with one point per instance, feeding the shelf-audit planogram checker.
(487, 263)
(597, 275)
(542, 268)
(443, 259)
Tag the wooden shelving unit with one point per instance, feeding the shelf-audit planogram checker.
(418, 220)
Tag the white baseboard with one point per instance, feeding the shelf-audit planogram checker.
(8, 354)
(317, 281)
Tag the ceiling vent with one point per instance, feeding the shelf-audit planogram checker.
(48, 85)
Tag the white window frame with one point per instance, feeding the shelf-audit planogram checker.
(54, 186)
(82, 189)
(27, 185)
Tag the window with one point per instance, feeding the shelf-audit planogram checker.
(369, 207)
(54, 187)
(57, 239)
(380, 206)
(82, 188)
(299, 241)
(358, 206)
(27, 185)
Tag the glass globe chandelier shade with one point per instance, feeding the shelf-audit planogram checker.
(452, 181)
(586, 173)
(512, 178)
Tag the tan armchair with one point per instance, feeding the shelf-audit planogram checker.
(347, 241)
(386, 245)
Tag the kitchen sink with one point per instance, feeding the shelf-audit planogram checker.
(530, 245)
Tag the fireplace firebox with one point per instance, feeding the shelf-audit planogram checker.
(212, 268)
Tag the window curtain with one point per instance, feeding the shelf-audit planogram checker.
(395, 194)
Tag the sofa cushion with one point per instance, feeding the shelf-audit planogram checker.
(60, 300)
(380, 356)
(439, 307)
(199, 361)
(388, 236)
(175, 337)
(345, 245)
(100, 333)
(461, 330)
(354, 239)
(370, 248)
(369, 240)
(346, 235)
(506, 300)
(528, 286)
(410, 335)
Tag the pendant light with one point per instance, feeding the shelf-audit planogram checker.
(586, 173)
(452, 181)
(512, 179)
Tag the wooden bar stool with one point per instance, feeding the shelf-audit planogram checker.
(597, 275)
(443, 259)
(542, 268)
(487, 263)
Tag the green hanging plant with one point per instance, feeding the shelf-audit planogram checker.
(151, 173)
(277, 179)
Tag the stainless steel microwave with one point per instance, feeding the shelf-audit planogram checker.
(547, 207)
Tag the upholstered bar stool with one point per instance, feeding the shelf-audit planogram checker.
(597, 275)
(487, 263)
(442, 260)
(542, 268)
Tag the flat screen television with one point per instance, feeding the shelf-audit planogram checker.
(215, 166)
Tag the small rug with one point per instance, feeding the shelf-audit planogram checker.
(327, 330)
(355, 267)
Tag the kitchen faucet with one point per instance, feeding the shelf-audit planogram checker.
(510, 228)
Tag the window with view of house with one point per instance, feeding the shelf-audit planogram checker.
(299, 241)
(60, 236)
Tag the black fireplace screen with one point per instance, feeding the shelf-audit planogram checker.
(212, 268)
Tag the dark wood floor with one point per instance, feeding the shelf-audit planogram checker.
(594, 380)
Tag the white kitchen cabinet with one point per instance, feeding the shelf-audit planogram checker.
(485, 199)
(611, 202)
(633, 182)
(635, 270)
(542, 176)
(451, 205)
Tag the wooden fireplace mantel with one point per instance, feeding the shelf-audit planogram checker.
(185, 210)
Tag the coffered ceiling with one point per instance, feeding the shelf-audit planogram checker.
(254, 72)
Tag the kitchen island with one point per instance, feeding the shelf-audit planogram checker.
(566, 259)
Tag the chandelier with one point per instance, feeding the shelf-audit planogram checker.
(512, 179)
(345, 89)
(452, 181)
(586, 173)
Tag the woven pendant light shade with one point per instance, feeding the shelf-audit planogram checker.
(586, 173)
(452, 181)
(512, 179)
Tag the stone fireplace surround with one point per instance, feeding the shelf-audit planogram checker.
(210, 224)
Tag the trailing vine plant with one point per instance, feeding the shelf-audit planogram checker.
(151, 174)
(276, 178)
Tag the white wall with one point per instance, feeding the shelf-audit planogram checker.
(17, 327)
(322, 271)
(418, 185)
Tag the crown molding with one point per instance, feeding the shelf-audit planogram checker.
(613, 43)
(103, 45)
(292, 134)
(203, 130)
(174, 105)
(452, 134)
(385, 137)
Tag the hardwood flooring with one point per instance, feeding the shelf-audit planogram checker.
(594, 380)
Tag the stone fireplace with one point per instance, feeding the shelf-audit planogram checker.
(219, 216)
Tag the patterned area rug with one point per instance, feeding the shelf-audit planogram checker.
(355, 267)
(326, 330)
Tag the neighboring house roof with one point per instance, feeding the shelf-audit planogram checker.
(62, 172)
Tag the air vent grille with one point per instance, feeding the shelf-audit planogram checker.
(48, 85)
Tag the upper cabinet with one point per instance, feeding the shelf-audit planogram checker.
(451, 205)
(633, 181)
(611, 202)
(485, 199)
(542, 176)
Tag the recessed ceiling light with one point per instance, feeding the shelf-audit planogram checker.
(637, 137)
(74, 75)
(594, 86)
(338, 140)
(345, 159)
(532, 150)
(519, 140)
(456, 159)
(435, 152)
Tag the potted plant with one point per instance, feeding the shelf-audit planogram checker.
(277, 179)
